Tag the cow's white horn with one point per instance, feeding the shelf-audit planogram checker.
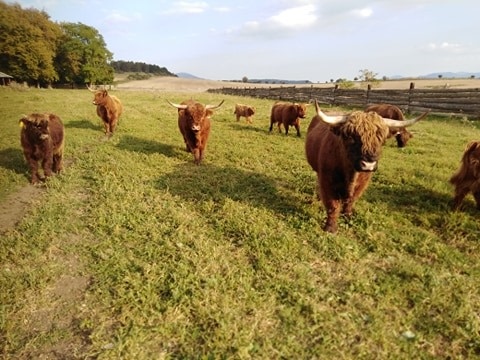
(333, 120)
(404, 123)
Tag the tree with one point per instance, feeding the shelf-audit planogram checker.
(28, 44)
(245, 79)
(83, 56)
(369, 77)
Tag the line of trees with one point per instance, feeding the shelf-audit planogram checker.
(139, 67)
(40, 52)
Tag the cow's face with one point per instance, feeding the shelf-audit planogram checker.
(402, 137)
(363, 136)
(250, 111)
(195, 115)
(301, 110)
(100, 97)
(36, 126)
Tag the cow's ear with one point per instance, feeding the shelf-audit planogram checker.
(104, 93)
(209, 112)
(23, 121)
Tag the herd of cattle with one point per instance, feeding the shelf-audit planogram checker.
(343, 150)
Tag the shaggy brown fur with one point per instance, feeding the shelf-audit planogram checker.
(194, 124)
(402, 135)
(246, 111)
(42, 139)
(287, 115)
(109, 109)
(344, 157)
(467, 177)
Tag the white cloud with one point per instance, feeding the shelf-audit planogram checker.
(296, 16)
(362, 13)
(444, 46)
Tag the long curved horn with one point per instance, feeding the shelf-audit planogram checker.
(332, 120)
(211, 107)
(178, 106)
(403, 123)
(88, 87)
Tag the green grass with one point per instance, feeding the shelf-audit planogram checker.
(136, 253)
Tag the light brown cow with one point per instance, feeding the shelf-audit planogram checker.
(287, 114)
(246, 111)
(344, 152)
(42, 140)
(109, 109)
(467, 178)
(402, 135)
(194, 124)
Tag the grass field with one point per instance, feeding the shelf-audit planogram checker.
(133, 252)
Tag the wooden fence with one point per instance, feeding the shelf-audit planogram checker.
(444, 101)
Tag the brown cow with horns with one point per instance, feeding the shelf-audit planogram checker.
(109, 109)
(194, 124)
(287, 114)
(42, 139)
(344, 152)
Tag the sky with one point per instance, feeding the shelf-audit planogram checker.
(316, 40)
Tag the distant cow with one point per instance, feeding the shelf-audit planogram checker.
(194, 124)
(402, 135)
(467, 177)
(344, 152)
(109, 109)
(246, 111)
(287, 114)
(42, 139)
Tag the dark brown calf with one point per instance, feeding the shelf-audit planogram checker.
(467, 177)
(42, 139)
(287, 115)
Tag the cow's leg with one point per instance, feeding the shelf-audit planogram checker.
(271, 126)
(359, 184)
(47, 164)
(333, 210)
(33, 165)
(460, 193)
(57, 163)
(113, 125)
(286, 128)
(197, 156)
(298, 129)
(280, 127)
(476, 195)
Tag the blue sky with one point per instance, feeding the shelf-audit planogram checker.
(315, 40)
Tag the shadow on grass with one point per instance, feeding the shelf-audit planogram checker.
(212, 183)
(248, 127)
(82, 124)
(136, 144)
(12, 159)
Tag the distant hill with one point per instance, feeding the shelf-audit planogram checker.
(185, 75)
(451, 75)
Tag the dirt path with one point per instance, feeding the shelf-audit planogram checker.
(14, 207)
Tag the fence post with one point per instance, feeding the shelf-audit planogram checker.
(410, 93)
(369, 88)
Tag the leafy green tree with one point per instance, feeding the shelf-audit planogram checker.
(369, 77)
(83, 56)
(28, 44)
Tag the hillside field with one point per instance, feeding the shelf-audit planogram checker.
(133, 252)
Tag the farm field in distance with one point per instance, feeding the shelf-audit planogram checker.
(133, 252)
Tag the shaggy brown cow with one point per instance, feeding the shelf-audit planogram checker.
(402, 135)
(288, 115)
(344, 152)
(109, 109)
(467, 177)
(194, 124)
(246, 111)
(42, 139)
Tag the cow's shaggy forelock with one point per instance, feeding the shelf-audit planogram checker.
(369, 127)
